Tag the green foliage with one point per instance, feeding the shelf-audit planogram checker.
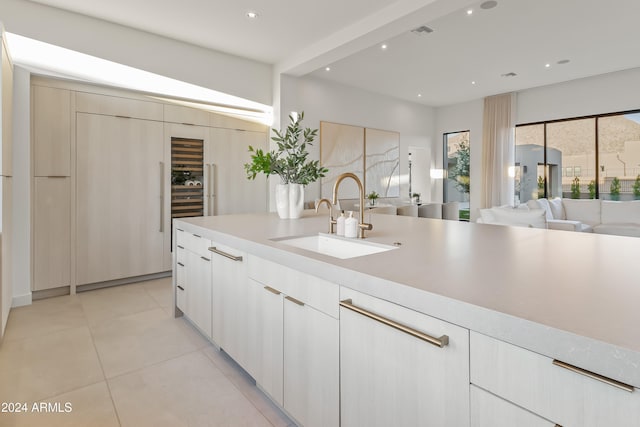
(540, 187)
(636, 188)
(373, 195)
(614, 190)
(592, 189)
(290, 160)
(460, 172)
(575, 188)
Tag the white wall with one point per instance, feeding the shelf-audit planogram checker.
(454, 118)
(326, 101)
(21, 187)
(606, 93)
(211, 69)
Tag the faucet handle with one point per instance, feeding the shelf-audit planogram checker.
(366, 226)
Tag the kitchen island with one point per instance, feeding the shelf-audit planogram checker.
(567, 297)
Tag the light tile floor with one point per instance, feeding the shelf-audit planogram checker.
(119, 358)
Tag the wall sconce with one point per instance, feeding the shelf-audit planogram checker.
(436, 173)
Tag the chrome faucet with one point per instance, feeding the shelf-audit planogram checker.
(361, 224)
(331, 220)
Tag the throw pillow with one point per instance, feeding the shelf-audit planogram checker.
(541, 204)
(557, 210)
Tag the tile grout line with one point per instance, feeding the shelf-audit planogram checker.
(104, 375)
(242, 373)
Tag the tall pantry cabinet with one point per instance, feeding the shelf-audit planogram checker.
(102, 188)
(51, 129)
(6, 117)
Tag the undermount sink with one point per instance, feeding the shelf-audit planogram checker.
(337, 247)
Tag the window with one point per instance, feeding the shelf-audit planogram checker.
(588, 157)
(457, 159)
(618, 155)
(571, 143)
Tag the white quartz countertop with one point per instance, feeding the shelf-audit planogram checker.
(568, 296)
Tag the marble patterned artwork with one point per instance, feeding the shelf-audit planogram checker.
(382, 162)
(341, 150)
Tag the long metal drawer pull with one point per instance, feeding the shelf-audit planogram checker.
(295, 301)
(224, 254)
(273, 291)
(181, 288)
(205, 258)
(593, 375)
(181, 264)
(180, 247)
(440, 342)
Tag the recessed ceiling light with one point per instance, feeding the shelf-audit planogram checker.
(488, 4)
(327, 69)
(419, 95)
(547, 65)
(469, 11)
(383, 47)
(563, 61)
(252, 15)
(473, 82)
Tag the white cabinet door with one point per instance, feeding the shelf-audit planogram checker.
(230, 279)
(311, 365)
(6, 115)
(120, 218)
(227, 189)
(267, 334)
(389, 377)
(488, 410)
(51, 233)
(51, 131)
(198, 291)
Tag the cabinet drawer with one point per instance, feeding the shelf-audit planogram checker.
(392, 373)
(534, 382)
(116, 106)
(488, 410)
(185, 115)
(181, 255)
(181, 288)
(318, 293)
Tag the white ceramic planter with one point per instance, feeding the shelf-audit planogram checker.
(296, 200)
(289, 200)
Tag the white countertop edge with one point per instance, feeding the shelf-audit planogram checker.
(603, 358)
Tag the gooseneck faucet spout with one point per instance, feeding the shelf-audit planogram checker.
(361, 224)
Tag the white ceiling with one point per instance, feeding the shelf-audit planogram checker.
(301, 37)
(283, 26)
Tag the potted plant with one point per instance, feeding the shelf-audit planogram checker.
(614, 190)
(415, 198)
(592, 189)
(636, 188)
(575, 188)
(290, 162)
(373, 196)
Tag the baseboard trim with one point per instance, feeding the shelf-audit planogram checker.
(21, 300)
(50, 293)
(125, 281)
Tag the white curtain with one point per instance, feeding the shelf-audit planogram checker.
(498, 145)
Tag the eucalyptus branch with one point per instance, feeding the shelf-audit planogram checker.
(290, 160)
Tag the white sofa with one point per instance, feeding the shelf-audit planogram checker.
(591, 215)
